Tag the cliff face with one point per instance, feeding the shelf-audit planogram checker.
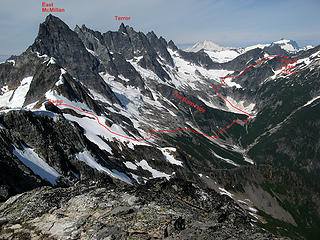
(57, 40)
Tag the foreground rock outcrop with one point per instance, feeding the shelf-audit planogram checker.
(159, 209)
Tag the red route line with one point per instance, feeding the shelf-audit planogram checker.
(186, 129)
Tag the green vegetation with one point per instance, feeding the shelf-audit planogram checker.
(308, 223)
(303, 212)
(278, 227)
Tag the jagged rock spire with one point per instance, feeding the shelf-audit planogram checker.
(122, 28)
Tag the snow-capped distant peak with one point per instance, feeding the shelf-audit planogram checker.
(262, 46)
(307, 47)
(287, 45)
(206, 45)
(283, 41)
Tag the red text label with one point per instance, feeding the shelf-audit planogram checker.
(55, 101)
(185, 100)
(122, 18)
(287, 66)
(48, 7)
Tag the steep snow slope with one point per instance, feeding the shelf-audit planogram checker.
(31, 159)
(15, 98)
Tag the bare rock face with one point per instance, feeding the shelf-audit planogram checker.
(114, 48)
(158, 210)
(57, 40)
(113, 58)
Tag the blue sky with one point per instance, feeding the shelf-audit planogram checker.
(226, 22)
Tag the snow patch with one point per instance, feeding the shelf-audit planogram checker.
(93, 131)
(39, 167)
(206, 45)
(311, 101)
(184, 75)
(262, 46)
(229, 82)
(15, 98)
(155, 173)
(248, 160)
(4, 89)
(248, 108)
(167, 153)
(52, 61)
(60, 81)
(243, 202)
(276, 73)
(86, 157)
(135, 177)
(287, 45)
(225, 159)
(225, 192)
(123, 78)
(31, 105)
(133, 101)
(252, 209)
(53, 95)
(222, 56)
(12, 61)
(92, 52)
(75, 174)
(42, 56)
(130, 165)
(145, 73)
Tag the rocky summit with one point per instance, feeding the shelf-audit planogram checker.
(122, 135)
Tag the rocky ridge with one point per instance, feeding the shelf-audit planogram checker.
(173, 209)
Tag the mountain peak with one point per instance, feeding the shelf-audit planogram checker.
(77, 27)
(206, 45)
(52, 19)
(50, 25)
(122, 28)
(287, 44)
(172, 45)
(47, 31)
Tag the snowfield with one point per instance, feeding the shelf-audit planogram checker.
(15, 98)
(167, 153)
(155, 173)
(222, 56)
(86, 157)
(39, 167)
